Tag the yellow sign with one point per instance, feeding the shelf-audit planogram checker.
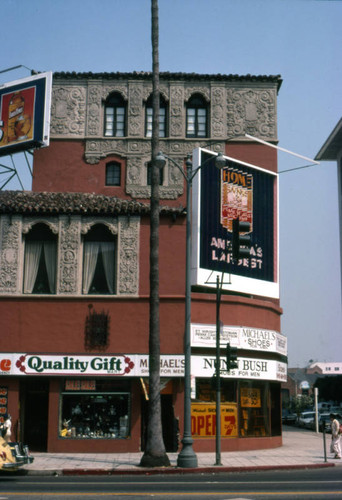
(250, 398)
(203, 420)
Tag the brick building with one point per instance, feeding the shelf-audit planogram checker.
(74, 270)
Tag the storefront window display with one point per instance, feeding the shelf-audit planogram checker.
(203, 411)
(89, 409)
(206, 390)
(253, 407)
(244, 408)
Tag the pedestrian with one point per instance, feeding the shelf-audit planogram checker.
(335, 446)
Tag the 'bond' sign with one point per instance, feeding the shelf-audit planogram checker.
(237, 191)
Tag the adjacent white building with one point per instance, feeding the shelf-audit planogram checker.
(332, 151)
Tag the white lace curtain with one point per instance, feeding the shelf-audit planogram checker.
(91, 254)
(33, 251)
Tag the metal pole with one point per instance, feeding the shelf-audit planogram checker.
(324, 443)
(218, 378)
(316, 409)
(187, 456)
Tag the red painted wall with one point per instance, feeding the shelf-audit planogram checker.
(56, 324)
(61, 168)
(254, 153)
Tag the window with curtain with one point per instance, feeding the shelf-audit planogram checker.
(99, 259)
(115, 116)
(162, 117)
(40, 260)
(197, 117)
(113, 174)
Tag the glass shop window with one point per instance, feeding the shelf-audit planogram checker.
(254, 411)
(93, 414)
(206, 390)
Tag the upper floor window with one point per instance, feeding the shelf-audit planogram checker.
(115, 116)
(149, 175)
(40, 260)
(162, 117)
(196, 117)
(113, 174)
(99, 259)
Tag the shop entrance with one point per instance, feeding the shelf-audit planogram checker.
(34, 413)
(169, 423)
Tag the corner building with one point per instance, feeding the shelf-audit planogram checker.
(74, 271)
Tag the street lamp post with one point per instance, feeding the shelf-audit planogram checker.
(187, 457)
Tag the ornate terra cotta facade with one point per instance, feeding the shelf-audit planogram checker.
(74, 269)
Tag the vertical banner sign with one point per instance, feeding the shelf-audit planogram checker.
(237, 191)
(25, 113)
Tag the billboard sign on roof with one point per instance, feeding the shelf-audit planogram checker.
(239, 190)
(25, 113)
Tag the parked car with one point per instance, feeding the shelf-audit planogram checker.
(13, 455)
(288, 418)
(307, 419)
(337, 410)
(324, 407)
(324, 421)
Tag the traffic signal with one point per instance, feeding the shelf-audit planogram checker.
(241, 244)
(231, 357)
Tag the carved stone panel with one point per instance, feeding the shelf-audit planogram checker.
(128, 256)
(135, 111)
(204, 90)
(70, 259)
(218, 121)
(68, 110)
(177, 115)
(10, 245)
(94, 111)
(252, 112)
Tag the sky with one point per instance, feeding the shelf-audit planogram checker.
(300, 40)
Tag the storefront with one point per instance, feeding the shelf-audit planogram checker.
(250, 394)
(67, 403)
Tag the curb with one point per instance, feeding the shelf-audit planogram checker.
(167, 470)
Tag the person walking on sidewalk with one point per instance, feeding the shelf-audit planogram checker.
(335, 446)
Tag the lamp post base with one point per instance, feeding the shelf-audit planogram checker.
(187, 458)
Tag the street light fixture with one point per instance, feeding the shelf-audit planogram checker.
(187, 457)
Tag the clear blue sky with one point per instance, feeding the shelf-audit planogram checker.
(299, 39)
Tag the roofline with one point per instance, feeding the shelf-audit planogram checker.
(68, 203)
(329, 142)
(147, 75)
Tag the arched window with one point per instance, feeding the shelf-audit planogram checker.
(40, 260)
(197, 116)
(115, 116)
(99, 261)
(113, 174)
(162, 117)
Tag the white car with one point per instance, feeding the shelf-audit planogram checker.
(307, 419)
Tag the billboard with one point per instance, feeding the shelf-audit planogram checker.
(239, 190)
(25, 113)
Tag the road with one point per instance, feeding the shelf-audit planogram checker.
(304, 484)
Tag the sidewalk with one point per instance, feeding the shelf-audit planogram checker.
(301, 449)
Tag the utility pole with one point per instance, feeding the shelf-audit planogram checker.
(155, 454)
